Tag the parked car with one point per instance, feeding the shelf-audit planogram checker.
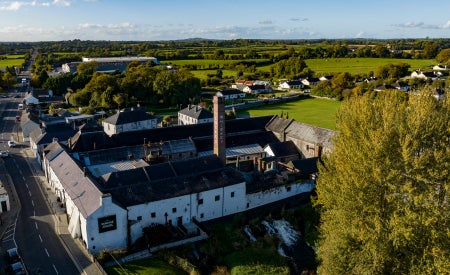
(4, 153)
(11, 143)
(17, 118)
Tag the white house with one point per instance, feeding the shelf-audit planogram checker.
(230, 94)
(194, 114)
(291, 84)
(129, 120)
(93, 216)
(423, 74)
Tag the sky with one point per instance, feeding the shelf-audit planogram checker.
(152, 20)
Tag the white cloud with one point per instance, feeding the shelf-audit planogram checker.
(16, 5)
(446, 25)
(12, 6)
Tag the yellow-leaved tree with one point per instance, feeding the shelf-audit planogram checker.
(383, 192)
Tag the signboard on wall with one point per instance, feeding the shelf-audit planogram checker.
(107, 223)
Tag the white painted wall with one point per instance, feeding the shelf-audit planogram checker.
(111, 129)
(275, 194)
(114, 239)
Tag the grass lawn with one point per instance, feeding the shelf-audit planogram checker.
(12, 60)
(363, 65)
(318, 112)
(256, 261)
(146, 266)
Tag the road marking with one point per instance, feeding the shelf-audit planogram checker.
(29, 193)
(46, 251)
(26, 185)
(54, 267)
(32, 202)
(40, 238)
(35, 223)
(23, 178)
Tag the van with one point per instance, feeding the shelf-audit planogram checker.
(20, 106)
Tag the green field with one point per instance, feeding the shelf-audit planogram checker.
(320, 66)
(314, 111)
(12, 60)
(363, 65)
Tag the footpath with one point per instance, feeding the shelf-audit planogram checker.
(79, 255)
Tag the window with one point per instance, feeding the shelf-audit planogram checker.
(232, 194)
(248, 205)
(174, 210)
(217, 198)
(288, 188)
(153, 215)
(202, 215)
(200, 201)
(139, 218)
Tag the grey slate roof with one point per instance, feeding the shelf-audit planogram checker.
(167, 180)
(81, 189)
(128, 116)
(196, 112)
(302, 131)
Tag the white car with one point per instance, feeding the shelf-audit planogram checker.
(4, 154)
(11, 143)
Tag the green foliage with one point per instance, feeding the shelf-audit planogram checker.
(144, 267)
(383, 192)
(444, 57)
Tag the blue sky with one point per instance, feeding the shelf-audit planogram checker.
(149, 20)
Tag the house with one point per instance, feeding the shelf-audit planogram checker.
(129, 120)
(439, 93)
(36, 96)
(28, 125)
(399, 85)
(423, 74)
(439, 67)
(291, 84)
(194, 114)
(325, 78)
(40, 137)
(310, 81)
(258, 89)
(230, 94)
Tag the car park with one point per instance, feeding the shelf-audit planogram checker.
(11, 143)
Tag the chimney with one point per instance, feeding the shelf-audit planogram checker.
(219, 127)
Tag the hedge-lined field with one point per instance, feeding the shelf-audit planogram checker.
(363, 65)
(314, 111)
(12, 60)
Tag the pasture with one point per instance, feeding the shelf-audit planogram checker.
(321, 66)
(12, 60)
(362, 65)
(314, 111)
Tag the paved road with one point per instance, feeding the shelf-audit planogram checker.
(37, 241)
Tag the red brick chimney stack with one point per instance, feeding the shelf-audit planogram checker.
(219, 127)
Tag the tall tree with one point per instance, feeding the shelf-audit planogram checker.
(384, 190)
